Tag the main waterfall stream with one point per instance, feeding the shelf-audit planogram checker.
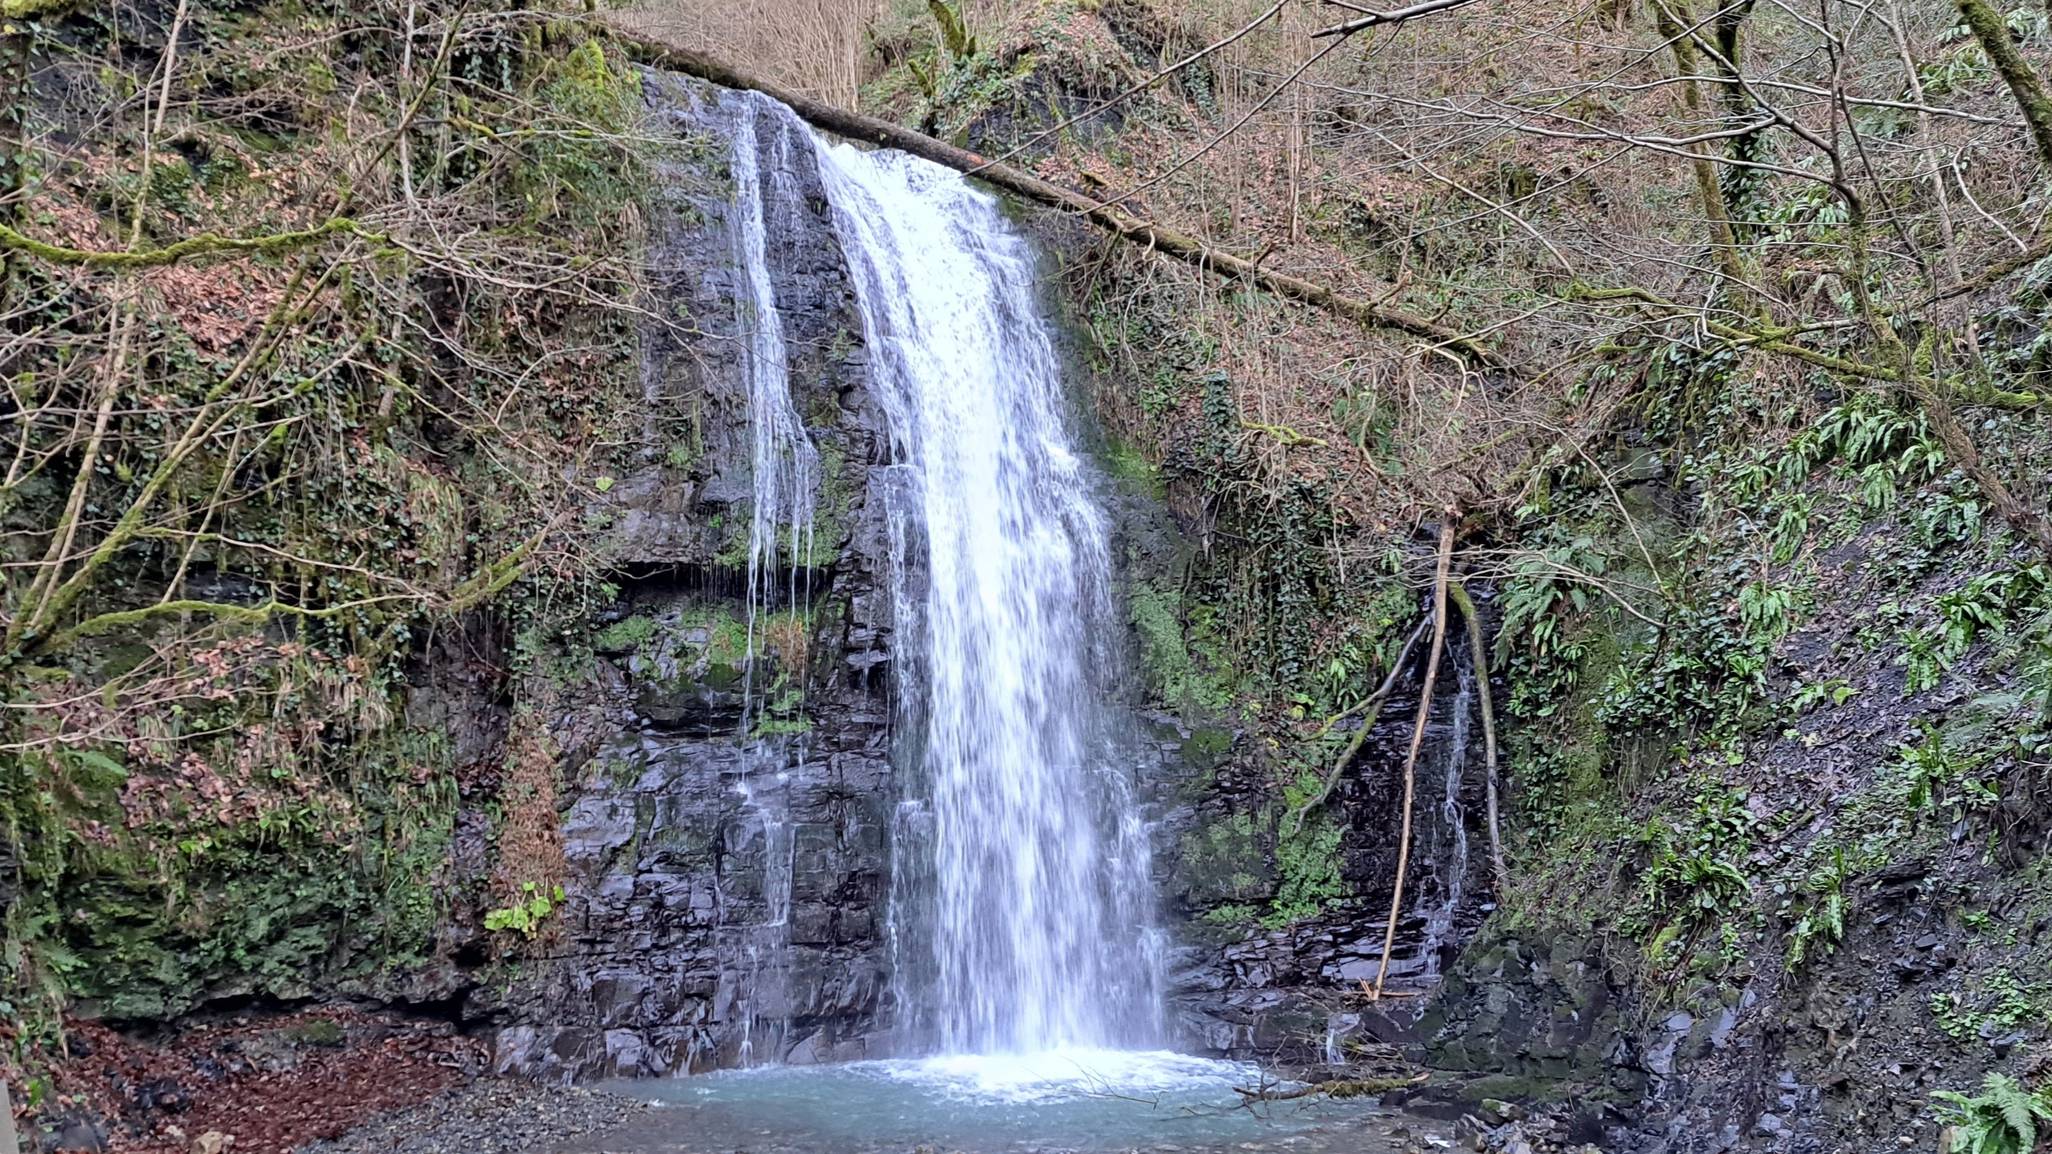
(1022, 863)
(1027, 965)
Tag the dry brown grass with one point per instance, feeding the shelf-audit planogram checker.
(819, 47)
(530, 843)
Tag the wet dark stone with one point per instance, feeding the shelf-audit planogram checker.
(725, 895)
(74, 1132)
(162, 1094)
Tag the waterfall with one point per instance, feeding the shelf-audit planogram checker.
(1020, 900)
(785, 479)
(1447, 846)
(785, 463)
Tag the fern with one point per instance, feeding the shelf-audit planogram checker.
(2002, 1119)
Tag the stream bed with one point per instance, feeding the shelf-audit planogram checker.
(1064, 1102)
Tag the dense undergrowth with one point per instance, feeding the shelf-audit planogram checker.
(319, 321)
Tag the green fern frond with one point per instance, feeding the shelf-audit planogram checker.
(2002, 1119)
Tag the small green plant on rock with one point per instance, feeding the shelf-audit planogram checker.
(2002, 1119)
(1695, 877)
(2004, 1003)
(1942, 777)
(525, 916)
(1309, 864)
(626, 636)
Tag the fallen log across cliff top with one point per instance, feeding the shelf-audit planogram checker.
(1168, 242)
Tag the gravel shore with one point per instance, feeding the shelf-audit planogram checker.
(489, 1116)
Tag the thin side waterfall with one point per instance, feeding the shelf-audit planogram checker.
(755, 925)
(763, 947)
(1021, 901)
(1448, 848)
(786, 464)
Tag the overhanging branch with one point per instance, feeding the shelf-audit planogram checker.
(1181, 246)
(204, 245)
(1377, 19)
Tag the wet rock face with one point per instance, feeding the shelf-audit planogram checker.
(1296, 993)
(685, 857)
(726, 832)
(1543, 1010)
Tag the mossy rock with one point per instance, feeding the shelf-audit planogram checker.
(1224, 862)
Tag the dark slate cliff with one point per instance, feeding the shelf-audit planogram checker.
(725, 890)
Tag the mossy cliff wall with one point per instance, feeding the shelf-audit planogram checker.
(271, 601)
(442, 708)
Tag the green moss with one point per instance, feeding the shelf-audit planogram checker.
(726, 639)
(627, 636)
(326, 1033)
(1176, 676)
(1223, 863)
(576, 172)
(1308, 867)
(730, 535)
(836, 501)
(1511, 1088)
(1234, 916)
(1131, 468)
(1207, 748)
(273, 827)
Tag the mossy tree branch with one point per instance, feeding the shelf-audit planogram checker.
(58, 591)
(1985, 22)
(1709, 194)
(468, 594)
(1777, 340)
(205, 244)
(1188, 249)
(105, 623)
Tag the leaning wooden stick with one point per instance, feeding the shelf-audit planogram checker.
(1396, 898)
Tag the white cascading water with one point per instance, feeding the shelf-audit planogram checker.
(1021, 903)
(785, 475)
(1447, 846)
(786, 465)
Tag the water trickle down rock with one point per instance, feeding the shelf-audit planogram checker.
(1444, 847)
(725, 882)
(754, 937)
